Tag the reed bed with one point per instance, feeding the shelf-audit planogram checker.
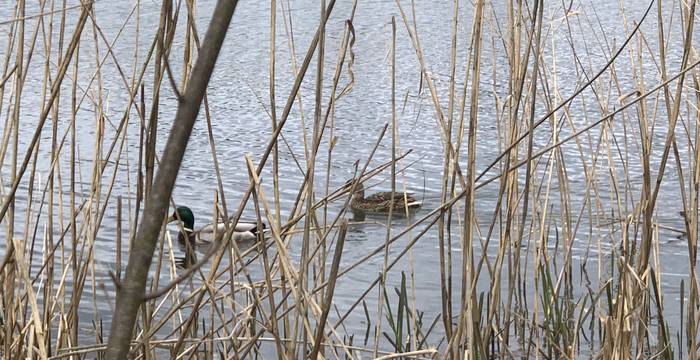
(566, 152)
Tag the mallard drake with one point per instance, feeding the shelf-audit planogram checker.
(245, 231)
(381, 201)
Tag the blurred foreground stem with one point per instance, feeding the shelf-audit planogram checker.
(131, 293)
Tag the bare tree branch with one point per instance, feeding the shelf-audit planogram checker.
(131, 294)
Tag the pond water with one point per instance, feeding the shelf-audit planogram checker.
(238, 100)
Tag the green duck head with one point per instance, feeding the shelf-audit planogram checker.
(185, 214)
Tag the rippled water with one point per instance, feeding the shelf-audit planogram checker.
(238, 100)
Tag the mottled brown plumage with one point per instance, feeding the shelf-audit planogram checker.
(381, 201)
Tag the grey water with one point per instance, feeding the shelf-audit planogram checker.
(238, 101)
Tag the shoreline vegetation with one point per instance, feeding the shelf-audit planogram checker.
(585, 162)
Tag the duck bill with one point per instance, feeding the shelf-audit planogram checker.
(171, 219)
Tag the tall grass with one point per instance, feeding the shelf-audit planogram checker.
(551, 241)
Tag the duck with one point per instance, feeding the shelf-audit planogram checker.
(245, 231)
(381, 202)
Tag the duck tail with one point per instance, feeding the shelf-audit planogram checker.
(414, 204)
(257, 229)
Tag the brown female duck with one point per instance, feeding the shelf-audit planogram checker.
(381, 202)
